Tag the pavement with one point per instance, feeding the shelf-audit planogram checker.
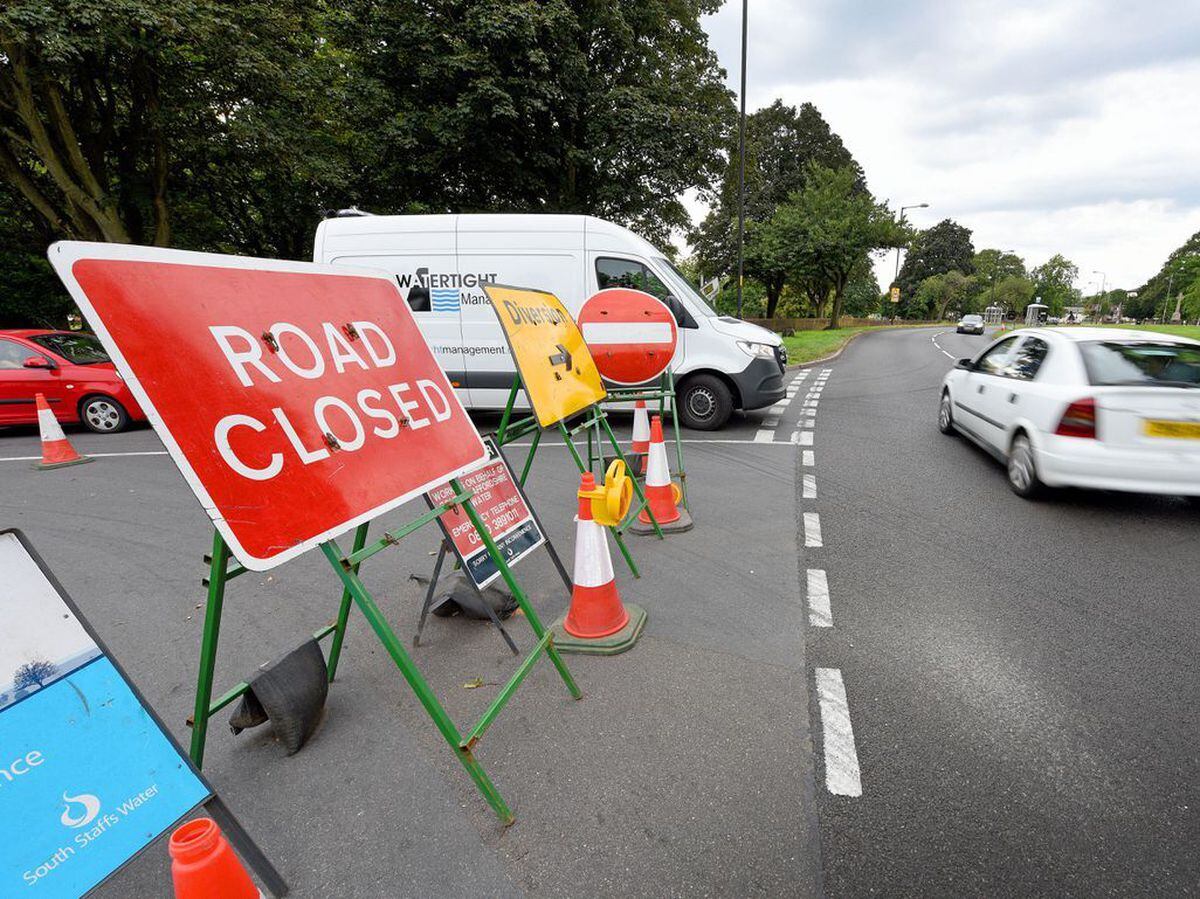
(869, 669)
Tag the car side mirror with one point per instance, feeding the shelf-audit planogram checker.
(38, 362)
(965, 364)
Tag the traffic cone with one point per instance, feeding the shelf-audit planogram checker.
(203, 866)
(662, 496)
(597, 621)
(640, 447)
(57, 451)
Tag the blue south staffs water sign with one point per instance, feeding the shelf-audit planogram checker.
(88, 776)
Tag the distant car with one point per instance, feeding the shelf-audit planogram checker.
(1083, 407)
(69, 368)
(970, 324)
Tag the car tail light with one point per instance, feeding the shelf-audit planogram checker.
(1079, 420)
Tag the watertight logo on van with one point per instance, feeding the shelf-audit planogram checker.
(427, 291)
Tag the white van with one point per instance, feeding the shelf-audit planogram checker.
(439, 262)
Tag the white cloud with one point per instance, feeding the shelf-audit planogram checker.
(1045, 127)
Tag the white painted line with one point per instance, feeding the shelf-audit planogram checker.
(812, 529)
(810, 422)
(778, 408)
(96, 455)
(819, 614)
(771, 421)
(765, 435)
(809, 459)
(802, 438)
(841, 758)
(809, 487)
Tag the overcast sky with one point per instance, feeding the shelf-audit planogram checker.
(1051, 126)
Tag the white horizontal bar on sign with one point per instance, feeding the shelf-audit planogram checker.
(601, 333)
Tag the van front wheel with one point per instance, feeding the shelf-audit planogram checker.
(705, 403)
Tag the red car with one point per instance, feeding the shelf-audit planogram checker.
(72, 371)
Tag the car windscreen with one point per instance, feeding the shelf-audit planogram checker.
(972, 318)
(1141, 363)
(81, 349)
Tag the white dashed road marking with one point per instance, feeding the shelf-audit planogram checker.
(809, 488)
(819, 614)
(803, 438)
(809, 459)
(812, 529)
(841, 758)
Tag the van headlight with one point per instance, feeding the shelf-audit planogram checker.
(758, 350)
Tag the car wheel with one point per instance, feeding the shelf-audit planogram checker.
(705, 403)
(103, 414)
(946, 414)
(1022, 470)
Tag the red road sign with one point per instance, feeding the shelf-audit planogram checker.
(298, 400)
(499, 501)
(631, 334)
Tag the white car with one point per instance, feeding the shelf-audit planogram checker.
(1083, 407)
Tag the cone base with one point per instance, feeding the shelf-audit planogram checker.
(619, 642)
(678, 526)
(44, 466)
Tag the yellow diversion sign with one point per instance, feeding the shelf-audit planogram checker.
(555, 365)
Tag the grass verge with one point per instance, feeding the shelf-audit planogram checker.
(805, 346)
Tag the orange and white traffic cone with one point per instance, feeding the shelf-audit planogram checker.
(57, 451)
(640, 447)
(204, 866)
(662, 496)
(597, 621)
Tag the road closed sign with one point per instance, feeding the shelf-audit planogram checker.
(297, 400)
(632, 335)
(88, 775)
(556, 368)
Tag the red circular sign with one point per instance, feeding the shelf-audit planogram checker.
(631, 334)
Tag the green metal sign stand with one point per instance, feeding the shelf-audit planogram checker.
(664, 395)
(595, 421)
(223, 568)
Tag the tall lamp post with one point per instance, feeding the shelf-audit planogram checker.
(742, 159)
(897, 275)
(1103, 286)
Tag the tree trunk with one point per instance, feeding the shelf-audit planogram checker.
(774, 289)
(835, 313)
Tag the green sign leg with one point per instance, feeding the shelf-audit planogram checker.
(208, 647)
(339, 631)
(379, 624)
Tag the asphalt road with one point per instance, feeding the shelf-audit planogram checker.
(686, 770)
(997, 698)
(1021, 678)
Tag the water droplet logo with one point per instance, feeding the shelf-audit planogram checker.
(91, 808)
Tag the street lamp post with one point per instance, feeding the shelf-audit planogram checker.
(896, 277)
(742, 160)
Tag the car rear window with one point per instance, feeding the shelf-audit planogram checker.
(1141, 363)
(81, 349)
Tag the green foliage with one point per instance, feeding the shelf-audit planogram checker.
(1014, 293)
(825, 231)
(1181, 275)
(938, 294)
(1054, 282)
(781, 145)
(944, 247)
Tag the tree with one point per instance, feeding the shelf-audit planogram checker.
(613, 109)
(1054, 282)
(781, 143)
(1013, 293)
(1180, 274)
(944, 247)
(823, 232)
(937, 294)
(32, 674)
(116, 116)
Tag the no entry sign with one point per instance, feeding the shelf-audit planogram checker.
(505, 513)
(297, 400)
(631, 334)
